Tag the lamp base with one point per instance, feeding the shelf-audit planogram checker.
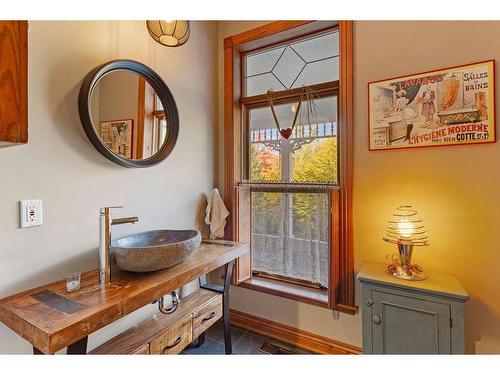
(401, 266)
(410, 274)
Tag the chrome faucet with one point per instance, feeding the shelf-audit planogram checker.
(105, 223)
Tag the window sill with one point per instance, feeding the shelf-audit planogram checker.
(287, 290)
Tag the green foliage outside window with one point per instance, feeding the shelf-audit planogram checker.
(315, 162)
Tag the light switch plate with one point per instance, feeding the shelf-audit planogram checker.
(30, 213)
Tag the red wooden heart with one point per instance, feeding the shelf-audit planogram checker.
(286, 133)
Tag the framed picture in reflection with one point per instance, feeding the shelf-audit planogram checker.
(118, 136)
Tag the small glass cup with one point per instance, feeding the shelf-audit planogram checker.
(73, 281)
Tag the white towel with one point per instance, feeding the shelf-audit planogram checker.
(215, 214)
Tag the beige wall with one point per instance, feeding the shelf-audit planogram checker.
(454, 188)
(60, 166)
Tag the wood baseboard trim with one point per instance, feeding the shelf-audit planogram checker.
(291, 335)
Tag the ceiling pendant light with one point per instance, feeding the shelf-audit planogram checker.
(169, 33)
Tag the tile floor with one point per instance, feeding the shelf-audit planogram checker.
(244, 342)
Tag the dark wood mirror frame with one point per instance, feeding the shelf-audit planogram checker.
(161, 89)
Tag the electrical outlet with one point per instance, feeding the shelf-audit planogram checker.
(30, 213)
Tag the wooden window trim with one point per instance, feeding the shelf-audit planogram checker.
(341, 265)
(140, 118)
(345, 260)
(284, 289)
(142, 115)
(321, 89)
(289, 280)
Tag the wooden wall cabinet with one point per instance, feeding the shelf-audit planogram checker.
(411, 317)
(13, 82)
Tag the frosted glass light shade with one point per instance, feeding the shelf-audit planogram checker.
(169, 33)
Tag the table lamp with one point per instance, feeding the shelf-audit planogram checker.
(406, 230)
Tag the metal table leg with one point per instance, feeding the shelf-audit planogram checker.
(225, 302)
(226, 311)
(79, 347)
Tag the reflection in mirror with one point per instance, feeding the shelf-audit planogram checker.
(128, 115)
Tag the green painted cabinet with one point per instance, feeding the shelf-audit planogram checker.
(411, 317)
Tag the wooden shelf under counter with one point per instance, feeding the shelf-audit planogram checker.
(51, 318)
(168, 334)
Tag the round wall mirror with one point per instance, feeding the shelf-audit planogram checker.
(128, 113)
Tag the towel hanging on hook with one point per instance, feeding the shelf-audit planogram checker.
(216, 214)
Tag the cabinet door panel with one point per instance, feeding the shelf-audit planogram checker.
(402, 325)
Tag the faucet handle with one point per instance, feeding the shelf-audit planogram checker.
(105, 210)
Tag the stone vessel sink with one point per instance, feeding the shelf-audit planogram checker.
(154, 250)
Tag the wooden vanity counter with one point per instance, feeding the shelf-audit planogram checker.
(50, 318)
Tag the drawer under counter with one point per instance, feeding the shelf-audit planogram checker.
(174, 339)
(207, 315)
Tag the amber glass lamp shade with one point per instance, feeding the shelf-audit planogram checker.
(169, 33)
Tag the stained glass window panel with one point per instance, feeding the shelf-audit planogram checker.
(309, 61)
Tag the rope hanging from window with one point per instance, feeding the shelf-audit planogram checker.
(307, 95)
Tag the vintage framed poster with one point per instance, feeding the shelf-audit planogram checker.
(450, 106)
(117, 135)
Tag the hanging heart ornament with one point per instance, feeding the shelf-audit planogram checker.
(285, 133)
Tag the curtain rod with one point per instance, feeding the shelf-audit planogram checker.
(288, 187)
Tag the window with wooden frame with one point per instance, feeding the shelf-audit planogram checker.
(151, 122)
(290, 198)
